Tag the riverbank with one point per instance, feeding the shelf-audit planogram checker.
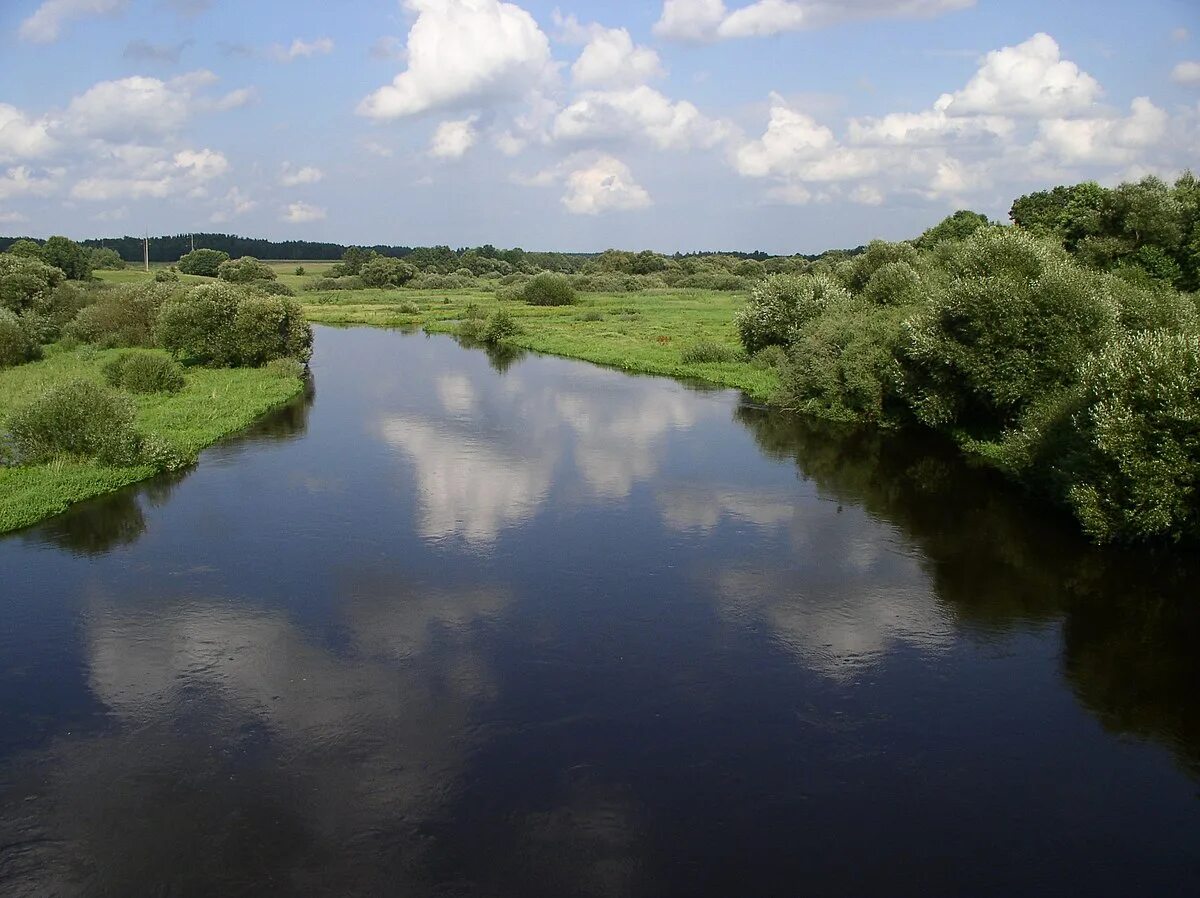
(645, 332)
(214, 404)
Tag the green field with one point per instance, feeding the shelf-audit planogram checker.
(643, 332)
(215, 403)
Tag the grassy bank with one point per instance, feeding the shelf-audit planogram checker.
(645, 332)
(213, 404)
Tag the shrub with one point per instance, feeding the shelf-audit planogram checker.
(500, 327)
(104, 258)
(409, 308)
(166, 276)
(549, 289)
(769, 357)
(285, 368)
(62, 304)
(781, 304)
(592, 315)
(245, 270)
(198, 325)
(383, 271)
(321, 285)
(122, 317)
(145, 372)
(1013, 326)
(203, 262)
(299, 271)
(267, 328)
(1143, 309)
(843, 365)
(857, 272)
(24, 279)
(894, 283)
(78, 418)
(708, 352)
(1138, 474)
(17, 344)
(959, 226)
(715, 280)
(270, 288)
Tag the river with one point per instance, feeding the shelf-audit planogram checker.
(460, 624)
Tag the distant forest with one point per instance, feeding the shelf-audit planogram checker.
(171, 248)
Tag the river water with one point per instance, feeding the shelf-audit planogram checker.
(460, 624)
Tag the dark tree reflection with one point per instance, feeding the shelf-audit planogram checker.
(998, 558)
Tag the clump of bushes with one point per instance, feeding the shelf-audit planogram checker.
(245, 270)
(1137, 473)
(783, 303)
(349, 282)
(549, 289)
(709, 352)
(270, 288)
(79, 419)
(166, 276)
(408, 307)
(500, 327)
(104, 258)
(145, 372)
(383, 271)
(17, 342)
(285, 369)
(220, 325)
(125, 316)
(1015, 323)
(23, 280)
(204, 262)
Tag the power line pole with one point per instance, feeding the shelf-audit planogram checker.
(146, 251)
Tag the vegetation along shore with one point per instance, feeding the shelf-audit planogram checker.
(1062, 349)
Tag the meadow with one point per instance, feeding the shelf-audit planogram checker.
(214, 403)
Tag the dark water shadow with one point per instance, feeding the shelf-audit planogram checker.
(999, 560)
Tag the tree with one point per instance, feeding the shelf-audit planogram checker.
(959, 226)
(203, 262)
(355, 258)
(245, 270)
(106, 259)
(384, 272)
(72, 259)
(27, 249)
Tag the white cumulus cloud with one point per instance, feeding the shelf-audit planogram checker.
(637, 112)
(605, 185)
(134, 107)
(460, 51)
(1187, 72)
(23, 137)
(611, 59)
(301, 49)
(709, 20)
(1031, 79)
(299, 213)
(292, 177)
(46, 24)
(452, 139)
(1105, 140)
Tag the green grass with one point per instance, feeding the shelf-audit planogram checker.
(645, 332)
(213, 404)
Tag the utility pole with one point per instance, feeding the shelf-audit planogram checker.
(146, 251)
(193, 243)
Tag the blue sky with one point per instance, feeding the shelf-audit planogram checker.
(784, 125)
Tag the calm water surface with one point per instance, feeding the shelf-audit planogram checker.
(460, 625)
